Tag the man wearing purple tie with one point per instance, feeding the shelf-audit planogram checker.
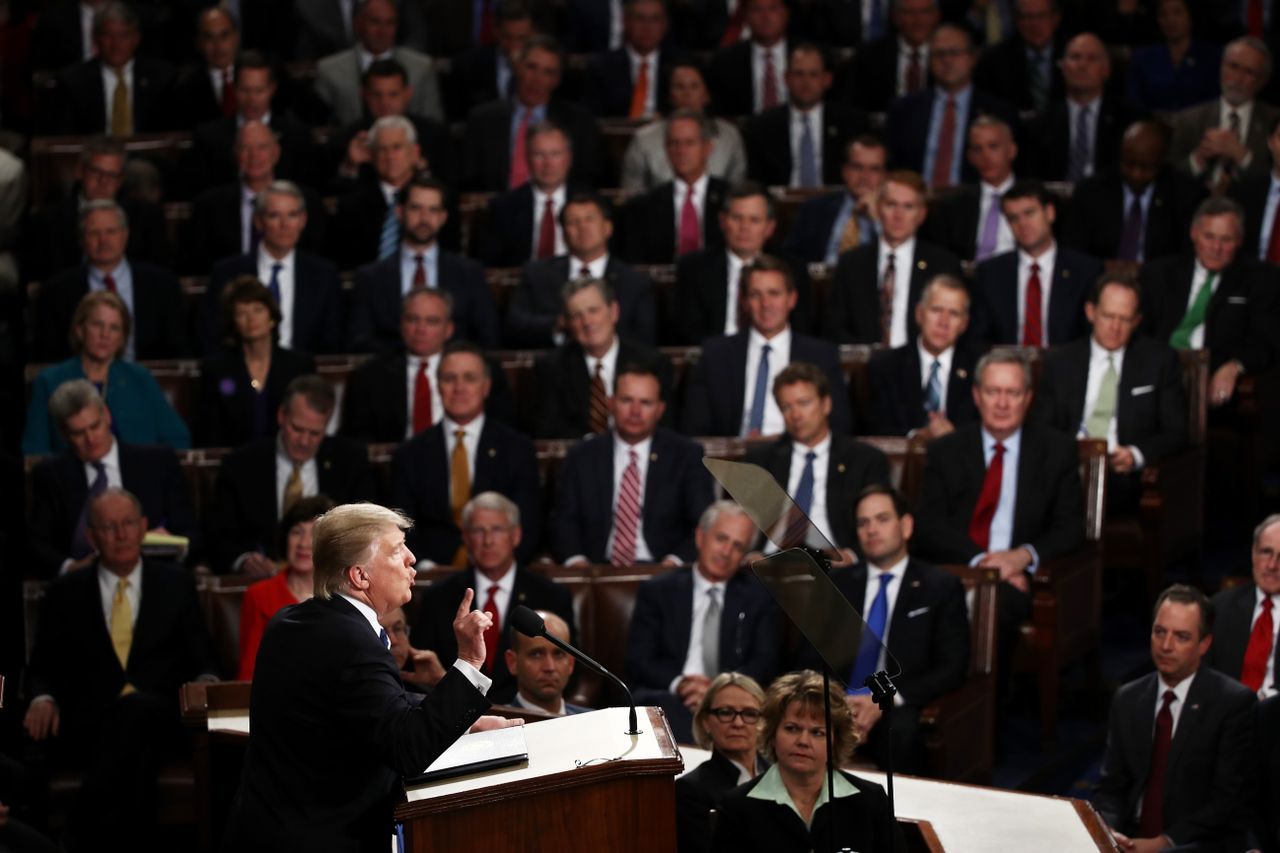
(968, 221)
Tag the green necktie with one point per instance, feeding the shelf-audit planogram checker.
(1181, 337)
(1104, 408)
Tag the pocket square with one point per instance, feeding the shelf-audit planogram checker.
(1142, 389)
(919, 611)
(1237, 300)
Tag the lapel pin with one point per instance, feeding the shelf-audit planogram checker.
(492, 453)
(840, 467)
(327, 464)
(961, 373)
(1159, 202)
(1066, 273)
(924, 265)
(520, 596)
(915, 584)
(653, 457)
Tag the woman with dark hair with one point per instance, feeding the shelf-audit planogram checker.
(294, 583)
(241, 385)
(1179, 72)
(140, 412)
(786, 809)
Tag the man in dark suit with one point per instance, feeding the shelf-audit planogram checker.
(1177, 769)
(645, 515)
(924, 388)
(434, 474)
(535, 315)
(491, 532)
(323, 666)
(927, 130)
(821, 470)
(486, 71)
(1244, 644)
(62, 486)
(259, 481)
(747, 77)
(541, 670)
(115, 641)
(677, 217)
(729, 392)
(967, 220)
(1114, 386)
(812, 157)
(671, 658)
(305, 286)
(494, 150)
(573, 381)
(1023, 70)
(832, 223)
(1257, 197)
(633, 79)
(1033, 295)
(1140, 209)
(207, 91)
(898, 63)
(63, 34)
(152, 294)
(140, 85)
(1267, 809)
(875, 287)
(380, 287)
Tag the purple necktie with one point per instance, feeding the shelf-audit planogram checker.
(1131, 238)
(990, 230)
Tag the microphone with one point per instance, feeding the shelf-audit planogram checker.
(529, 623)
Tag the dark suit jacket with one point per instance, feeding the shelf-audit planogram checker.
(649, 223)
(437, 145)
(875, 75)
(851, 466)
(662, 622)
(564, 388)
(84, 105)
(195, 99)
(677, 488)
(317, 301)
(1251, 193)
(811, 230)
(1232, 625)
(953, 220)
(1004, 72)
(1206, 780)
(243, 517)
(158, 313)
(717, 394)
(433, 627)
(505, 462)
(473, 80)
(697, 793)
(1151, 408)
(1267, 828)
(609, 84)
(536, 304)
(1052, 153)
(852, 315)
(213, 160)
(57, 37)
(701, 306)
(217, 217)
(322, 676)
(994, 314)
(768, 139)
(373, 322)
(52, 242)
(731, 82)
(1240, 321)
(1048, 512)
(1096, 217)
(59, 490)
(908, 124)
(227, 399)
(486, 153)
(507, 239)
(897, 393)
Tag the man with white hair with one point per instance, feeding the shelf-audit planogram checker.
(366, 227)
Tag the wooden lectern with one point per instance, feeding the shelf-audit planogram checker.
(587, 786)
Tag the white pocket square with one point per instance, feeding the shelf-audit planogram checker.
(919, 611)
(1142, 389)
(1237, 300)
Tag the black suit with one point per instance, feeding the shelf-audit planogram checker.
(875, 75)
(852, 314)
(717, 395)
(564, 388)
(649, 223)
(1232, 625)
(897, 390)
(158, 313)
(505, 462)
(677, 488)
(909, 120)
(433, 627)
(698, 792)
(508, 239)
(227, 399)
(1241, 318)
(1251, 193)
(244, 516)
(213, 160)
(195, 98)
(486, 153)
(851, 466)
(1206, 780)
(768, 140)
(217, 219)
(57, 39)
(323, 677)
(1052, 133)
(536, 304)
(373, 323)
(1004, 72)
(994, 314)
(953, 220)
(701, 298)
(317, 301)
(810, 232)
(1095, 220)
(84, 104)
(609, 84)
(1267, 829)
(52, 241)
(436, 143)
(731, 81)
(473, 80)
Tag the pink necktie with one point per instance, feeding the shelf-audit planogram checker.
(690, 234)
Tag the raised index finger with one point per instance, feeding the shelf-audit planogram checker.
(465, 607)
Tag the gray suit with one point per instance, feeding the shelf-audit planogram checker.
(338, 84)
(1190, 124)
(645, 164)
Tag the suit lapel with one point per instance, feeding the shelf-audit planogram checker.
(1060, 302)
(1227, 287)
(1076, 381)
(488, 459)
(1006, 296)
(1188, 721)
(399, 396)
(910, 596)
(737, 378)
(1143, 731)
(910, 379)
(1029, 458)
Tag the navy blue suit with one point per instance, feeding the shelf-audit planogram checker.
(810, 232)
(908, 120)
(508, 239)
(994, 315)
(702, 293)
(649, 223)
(768, 140)
(1232, 626)
(897, 390)
(486, 151)
(609, 85)
(1052, 155)
(536, 304)
(317, 301)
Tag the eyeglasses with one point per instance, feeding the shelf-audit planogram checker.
(750, 716)
(128, 525)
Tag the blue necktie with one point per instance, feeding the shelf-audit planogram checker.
(869, 648)
(1081, 147)
(933, 390)
(390, 237)
(804, 489)
(808, 155)
(875, 21)
(274, 285)
(80, 544)
(382, 635)
(756, 422)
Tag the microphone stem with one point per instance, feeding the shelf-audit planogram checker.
(591, 664)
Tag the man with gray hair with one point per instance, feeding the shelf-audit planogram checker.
(331, 721)
(1244, 645)
(305, 286)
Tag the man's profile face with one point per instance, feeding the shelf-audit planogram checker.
(491, 541)
(805, 412)
(88, 432)
(302, 429)
(425, 325)
(636, 406)
(464, 386)
(116, 529)
(1266, 560)
(389, 574)
(722, 547)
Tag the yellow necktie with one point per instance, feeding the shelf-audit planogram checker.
(851, 236)
(121, 117)
(122, 628)
(292, 490)
(459, 488)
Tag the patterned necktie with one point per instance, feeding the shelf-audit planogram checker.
(769, 87)
(459, 488)
(80, 544)
(869, 649)
(419, 271)
(1258, 652)
(851, 236)
(519, 170)
(1131, 237)
(690, 233)
(990, 238)
(988, 499)
(109, 282)
(228, 94)
(944, 154)
(804, 488)
(915, 75)
(121, 114)
(121, 627)
(640, 92)
(389, 237)
(1194, 318)
(1098, 424)
(491, 633)
(274, 284)
(1152, 822)
(755, 421)
(887, 284)
(598, 417)
(626, 518)
(933, 389)
(1081, 147)
(711, 634)
(1032, 331)
(808, 155)
(292, 490)
(547, 231)
(421, 399)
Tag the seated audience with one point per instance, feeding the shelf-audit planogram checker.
(896, 63)
(1244, 642)
(1179, 72)
(828, 225)
(542, 669)
(1257, 198)
(141, 414)
(1024, 68)
(420, 669)
(632, 79)
(747, 76)
(206, 90)
(1267, 808)
(968, 221)
(487, 70)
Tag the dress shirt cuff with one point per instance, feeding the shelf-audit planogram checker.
(1035, 557)
(43, 697)
(477, 678)
(558, 338)
(65, 567)
(576, 559)
(1245, 160)
(898, 701)
(674, 559)
(675, 682)
(977, 560)
(1139, 461)
(237, 565)
(1196, 168)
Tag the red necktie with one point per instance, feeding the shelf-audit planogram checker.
(491, 633)
(1032, 334)
(228, 94)
(598, 418)
(946, 144)
(769, 86)
(109, 282)
(519, 164)
(1258, 651)
(626, 519)
(733, 29)
(914, 73)
(988, 499)
(547, 231)
(1273, 243)
(690, 233)
(419, 272)
(1256, 21)
(486, 24)
(1152, 822)
(640, 92)
(421, 399)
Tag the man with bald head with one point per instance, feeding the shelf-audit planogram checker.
(542, 669)
(1137, 209)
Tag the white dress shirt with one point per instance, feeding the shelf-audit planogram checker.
(779, 358)
(904, 63)
(595, 269)
(798, 119)
(903, 264)
(944, 360)
(110, 462)
(506, 586)
(411, 385)
(898, 570)
(218, 81)
(122, 276)
(779, 53)
(284, 469)
(1198, 278)
(651, 96)
(991, 195)
(470, 440)
(288, 267)
(109, 80)
(1098, 356)
(701, 601)
(621, 459)
(107, 582)
(539, 205)
(409, 266)
(1180, 691)
(1268, 217)
(821, 463)
(1045, 261)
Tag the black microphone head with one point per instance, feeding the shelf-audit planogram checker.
(527, 622)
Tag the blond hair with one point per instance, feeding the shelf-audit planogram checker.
(346, 536)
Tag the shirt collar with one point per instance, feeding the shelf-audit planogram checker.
(1011, 444)
(771, 789)
(927, 358)
(898, 569)
(367, 612)
(819, 450)
(780, 342)
(506, 583)
(473, 428)
(1098, 352)
(108, 579)
(641, 447)
(1001, 189)
(1180, 690)
(265, 257)
(116, 272)
(1045, 260)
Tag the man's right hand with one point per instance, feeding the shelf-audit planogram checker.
(468, 628)
(82, 563)
(358, 150)
(42, 719)
(691, 689)
(257, 565)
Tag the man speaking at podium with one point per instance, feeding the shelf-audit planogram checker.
(332, 730)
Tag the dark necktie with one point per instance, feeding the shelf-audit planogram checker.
(547, 231)
(1152, 822)
(887, 283)
(421, 399)
(109, 282)
(755, 421)
(1032, 333)
(804, 488)
(598, 417)
(228, 94)
(383, 638)
(942, 156)
(988, 500)
(491, 633)
(274, 284)
(1081, 147)
(80, 545)
(933, 389)
(915, 72)
(769, 84)
(1131, 237)
(419, 272)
